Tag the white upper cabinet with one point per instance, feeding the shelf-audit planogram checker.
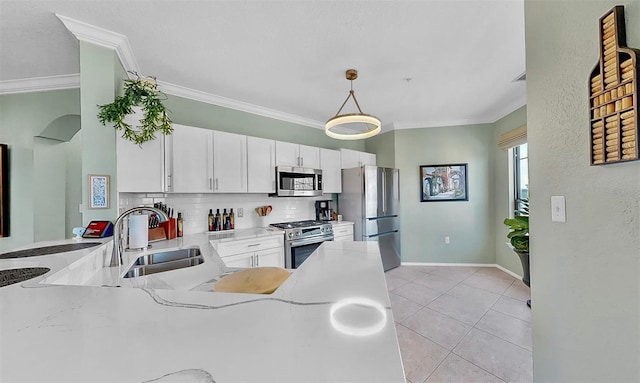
(229, 162)
(309, 156)
(140, 168)
(331, 171)
(189, 161)
(297, 155)
(261, 162)
(354, 158)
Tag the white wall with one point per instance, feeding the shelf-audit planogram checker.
(585, 281)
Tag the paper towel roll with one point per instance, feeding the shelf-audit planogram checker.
(138, 231)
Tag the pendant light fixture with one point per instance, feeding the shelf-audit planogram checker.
(353, 126)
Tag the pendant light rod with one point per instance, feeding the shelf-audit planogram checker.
(340, 121)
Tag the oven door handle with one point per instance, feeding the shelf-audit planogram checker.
(310, 241)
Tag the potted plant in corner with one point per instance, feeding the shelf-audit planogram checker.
(519, 238)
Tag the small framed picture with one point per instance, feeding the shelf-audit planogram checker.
(443, 183)
(98, 191)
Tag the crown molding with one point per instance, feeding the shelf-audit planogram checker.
(40, 84)
(120, 43)
(196, 95)
(104, 38)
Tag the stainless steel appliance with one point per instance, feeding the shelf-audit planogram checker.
(293, 181)
(324, 212)
(302, 238)
(371, 199)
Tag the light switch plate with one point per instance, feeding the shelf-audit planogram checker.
(558, 209)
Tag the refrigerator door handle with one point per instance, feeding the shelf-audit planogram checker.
(384, 193)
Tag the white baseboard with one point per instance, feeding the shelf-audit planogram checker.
(463, 265)
(509, 272)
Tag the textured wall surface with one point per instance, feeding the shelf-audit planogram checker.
(469, 224)
(22, 117)
(505, 257)
(585, 280)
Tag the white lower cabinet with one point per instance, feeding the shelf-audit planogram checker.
(254, 252)
(343, 231)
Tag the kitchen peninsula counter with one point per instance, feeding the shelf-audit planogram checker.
(329, 321)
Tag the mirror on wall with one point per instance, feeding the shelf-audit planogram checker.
(4, 190)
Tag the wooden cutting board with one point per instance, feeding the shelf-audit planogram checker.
(259, 280)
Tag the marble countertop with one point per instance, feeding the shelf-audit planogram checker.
(329, 321)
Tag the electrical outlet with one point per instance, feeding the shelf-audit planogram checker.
(447, 240)
(240, 212)
(558, 209)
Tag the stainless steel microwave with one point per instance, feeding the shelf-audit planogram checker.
(293, 181)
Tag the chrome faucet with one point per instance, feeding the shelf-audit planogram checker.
(118, 247)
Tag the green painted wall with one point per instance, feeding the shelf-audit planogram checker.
(384, 146)
(98, 70)
(22, 117)
(505, 257)
(470, 225)
(585, 284)
(195, 113)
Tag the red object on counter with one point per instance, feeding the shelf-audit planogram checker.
(169, 228)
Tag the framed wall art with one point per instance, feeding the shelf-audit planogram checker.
(98, 191)
(446, 182)
(4, 190)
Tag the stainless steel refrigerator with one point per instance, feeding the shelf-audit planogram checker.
(371, 199)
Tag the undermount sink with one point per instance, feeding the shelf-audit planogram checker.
(46, 250)
(164, 261)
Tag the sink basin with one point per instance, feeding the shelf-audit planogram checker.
(164, 261)
(9, 277)
(37, 251)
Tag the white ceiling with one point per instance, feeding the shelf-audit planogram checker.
(461, 56)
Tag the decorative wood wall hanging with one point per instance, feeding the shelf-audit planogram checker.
(614, 94)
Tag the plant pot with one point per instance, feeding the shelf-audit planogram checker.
(524, 259)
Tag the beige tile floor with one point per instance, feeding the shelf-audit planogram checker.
(461, 324)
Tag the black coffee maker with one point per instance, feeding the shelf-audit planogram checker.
(324, 212)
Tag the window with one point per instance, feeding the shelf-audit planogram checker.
(521, 175)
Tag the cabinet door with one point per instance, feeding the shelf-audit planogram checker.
(190, 162)
(331, 171)
(140, 168)
(309, 156)
(229, 162)
(261, 162)
(349, 158)
(287, 153)
(367, 158)
(343, 233)
(245, 260)
(270, 258)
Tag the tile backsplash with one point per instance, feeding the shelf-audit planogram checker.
(195, 207)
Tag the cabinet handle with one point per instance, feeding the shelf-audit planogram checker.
(168, 181)
(216, 184)
(252, 261)
(255, 244)
(257, 261)
(301, 161)
(210, 187)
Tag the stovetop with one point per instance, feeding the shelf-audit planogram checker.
(298, 224)
(298, 230)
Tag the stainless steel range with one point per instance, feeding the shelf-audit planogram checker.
(301, 238)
